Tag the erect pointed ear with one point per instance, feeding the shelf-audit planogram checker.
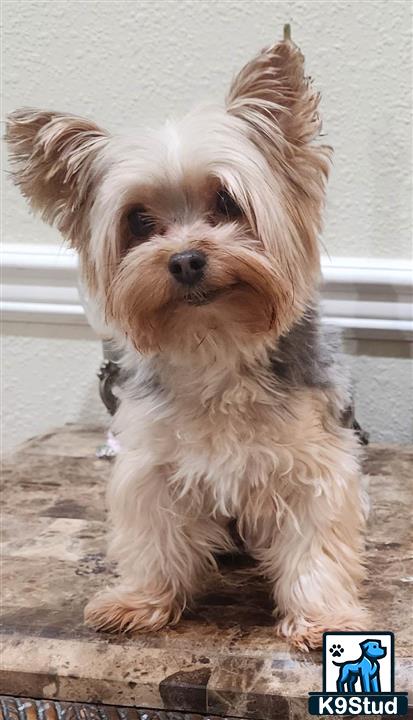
(53, 156)
(277, 105)
(272, 95)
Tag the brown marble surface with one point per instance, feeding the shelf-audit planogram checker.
(222, 658)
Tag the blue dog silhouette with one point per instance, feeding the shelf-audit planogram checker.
(366, 668)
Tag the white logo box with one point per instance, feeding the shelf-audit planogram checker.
(349, 643)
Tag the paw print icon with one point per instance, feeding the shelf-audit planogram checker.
(336, 650)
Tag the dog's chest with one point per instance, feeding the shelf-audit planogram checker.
(215, 436)
(228, 437)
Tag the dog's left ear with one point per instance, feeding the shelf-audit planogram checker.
(273, 96)
(53, 155)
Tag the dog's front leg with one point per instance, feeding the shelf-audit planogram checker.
(162, 552)
(314, 557)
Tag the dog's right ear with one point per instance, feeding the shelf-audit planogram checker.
(53, 155)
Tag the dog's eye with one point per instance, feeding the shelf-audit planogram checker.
(140, 223)
(227, 206)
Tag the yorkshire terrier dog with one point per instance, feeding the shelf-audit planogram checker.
(199, 246)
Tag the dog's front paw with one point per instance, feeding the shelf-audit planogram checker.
(300, 633)
(307, 633)
(123, 611)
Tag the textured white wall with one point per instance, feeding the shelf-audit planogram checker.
(383, 392)
(47, 382)
(128, 63)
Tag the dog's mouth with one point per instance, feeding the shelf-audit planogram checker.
(198, 297)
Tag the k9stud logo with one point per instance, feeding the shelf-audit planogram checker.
(358, 676)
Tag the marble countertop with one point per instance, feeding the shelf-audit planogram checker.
(222, 658)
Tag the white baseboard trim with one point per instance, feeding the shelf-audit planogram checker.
(368, 298)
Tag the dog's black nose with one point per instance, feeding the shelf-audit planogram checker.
(188, 266)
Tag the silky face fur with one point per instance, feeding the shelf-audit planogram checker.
(199, 247)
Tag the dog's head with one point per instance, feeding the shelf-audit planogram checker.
(373, 649)
(207, 228)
